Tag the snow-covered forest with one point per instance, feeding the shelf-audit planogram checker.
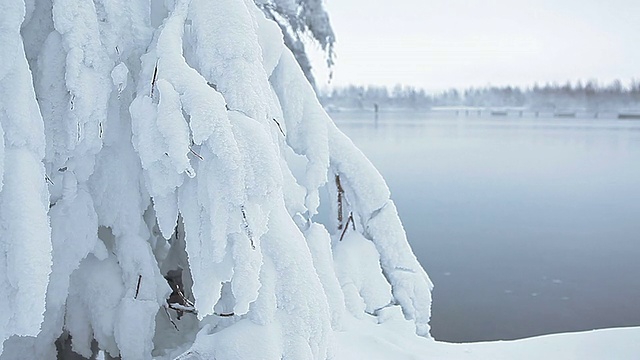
(590, 95)
(161, 167)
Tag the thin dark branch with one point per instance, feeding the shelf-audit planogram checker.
(170, 319)
(247, 228)
(154, 78)
(224, 314)
(184, 298)
(196, 154)
(376, 312)
(279, 127)
(182, 308)
(340, 200)
(346, 226)
(138, 286)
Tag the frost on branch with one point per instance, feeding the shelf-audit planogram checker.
(151, 204)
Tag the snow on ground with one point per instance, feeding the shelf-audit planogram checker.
(395, 340)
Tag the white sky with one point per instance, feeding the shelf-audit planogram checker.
(438, 44)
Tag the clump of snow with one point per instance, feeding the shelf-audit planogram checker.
(119, 75)
(25, 245)
(94, 295)
(228, 55)
(319, 242)
(365, 288)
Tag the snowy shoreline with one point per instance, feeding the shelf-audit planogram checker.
(393, 340)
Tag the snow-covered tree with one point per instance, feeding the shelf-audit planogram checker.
(302, 20)
(161, 166)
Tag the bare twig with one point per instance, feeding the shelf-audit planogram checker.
(183, 308)
(340, 195)
(279, 127)
(170, 319)
(196, 154)
(247, 228)
(376, 312)
(46, 177)
(186, 300)
(177, 300)
(346, 226)
(138, 286)
(154, 78)
(225, 314)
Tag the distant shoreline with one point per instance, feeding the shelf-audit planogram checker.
(498, 112)
(560, 100)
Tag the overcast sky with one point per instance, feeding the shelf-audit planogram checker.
(438, 44)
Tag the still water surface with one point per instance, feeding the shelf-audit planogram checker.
(527, 226)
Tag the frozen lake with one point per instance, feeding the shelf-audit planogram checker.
(526, 226)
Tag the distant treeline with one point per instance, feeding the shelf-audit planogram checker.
(551, 96)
